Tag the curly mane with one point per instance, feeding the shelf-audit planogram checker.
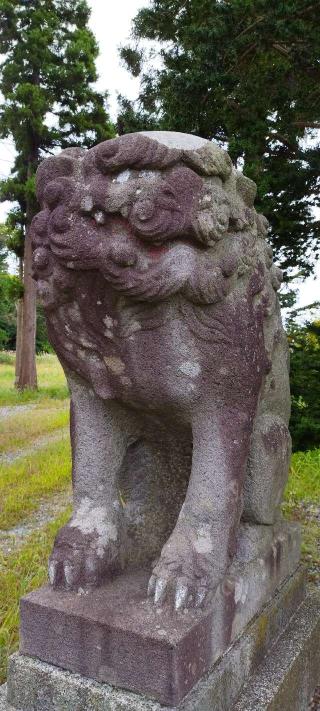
(189, 207)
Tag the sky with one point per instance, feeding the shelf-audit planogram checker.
(111, 24)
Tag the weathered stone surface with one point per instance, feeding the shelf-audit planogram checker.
(289, 675)
(36, 686)
(160, 296)
(4, 706)
(114, 634)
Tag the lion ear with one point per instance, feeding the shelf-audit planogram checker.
(209, 160)
(63, 165)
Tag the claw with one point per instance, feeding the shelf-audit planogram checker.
(92, 570)
(52, 571)
(152, 585)
(69, 574)
(181, 596)
(160, 591)
(200, 597)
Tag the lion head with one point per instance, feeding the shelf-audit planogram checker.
(154, 213)
(142, 222)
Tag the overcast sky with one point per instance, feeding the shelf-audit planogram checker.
(111, 24)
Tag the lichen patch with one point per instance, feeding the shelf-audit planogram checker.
(91, 519)
(190, 368)
(116, 365)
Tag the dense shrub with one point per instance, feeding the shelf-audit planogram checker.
(305, 385)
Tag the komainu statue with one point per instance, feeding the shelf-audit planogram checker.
(160, 295)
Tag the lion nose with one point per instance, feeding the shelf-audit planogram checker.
(123, 256)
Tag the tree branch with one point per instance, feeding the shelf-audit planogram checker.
(280, 48)
(282, 139)
(243, 55)
(307, 124)
(310, 8)
(253, 24)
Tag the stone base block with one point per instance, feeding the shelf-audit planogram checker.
(115, 635)
(290, 673)
(274, 664)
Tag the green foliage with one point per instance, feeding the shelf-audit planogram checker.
(9, 291)
(302, 504)
(42, 342)
(304, 344)
(131, 119)
(46, 80)
(245, 73)
(304, 478)
(3, 250)
(8, 285)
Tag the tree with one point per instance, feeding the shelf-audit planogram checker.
(47, 81)
(3, 251)
(9, 286)
(304, 342)
(245, 73)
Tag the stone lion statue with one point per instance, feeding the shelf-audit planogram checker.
(160, 295)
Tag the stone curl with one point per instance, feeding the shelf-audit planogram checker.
(134, 185)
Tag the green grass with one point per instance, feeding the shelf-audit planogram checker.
(28, 481)
(304, 478)
(302, 503)
(51, 381)
(20, 573)
(7, 357)
(21, 429)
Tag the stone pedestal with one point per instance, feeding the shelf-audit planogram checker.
(274, 665)
(114, 634)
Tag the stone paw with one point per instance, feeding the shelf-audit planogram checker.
(83, 556)
(185, 576)
(179, 592)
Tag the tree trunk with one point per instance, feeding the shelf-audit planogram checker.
(27, 376)
(19, 327)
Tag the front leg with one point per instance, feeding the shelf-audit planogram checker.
(89, 547)
(200, 549)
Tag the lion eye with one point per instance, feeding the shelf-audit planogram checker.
(168, 192)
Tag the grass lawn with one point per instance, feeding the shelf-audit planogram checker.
(33, 479)
(29, 480)
(20, 573)
(51, 381)
(302, 503)
(24, 427)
